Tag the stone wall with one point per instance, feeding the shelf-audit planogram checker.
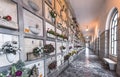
(102, 45)
(118, 48)
(107, 43)
(97, 46)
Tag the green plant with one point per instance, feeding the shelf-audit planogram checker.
(36, 51)
(48, 48)
(10, 47)
(62, 36)
(19, 65)
(34, 72)
(53, 14)
(16, 70)
(51, 32)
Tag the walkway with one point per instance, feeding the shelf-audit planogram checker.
(87, 65)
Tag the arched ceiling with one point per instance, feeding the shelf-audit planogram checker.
(87, 13)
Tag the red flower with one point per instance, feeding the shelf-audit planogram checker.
(8, 18)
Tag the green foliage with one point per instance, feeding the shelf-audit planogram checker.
(19, 65)
(51, 32)
(53, 14)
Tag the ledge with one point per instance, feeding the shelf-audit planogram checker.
(8, 24)
(33, 61)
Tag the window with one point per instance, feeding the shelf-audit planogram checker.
(113, 34)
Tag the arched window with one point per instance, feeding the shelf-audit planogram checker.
(113, 34)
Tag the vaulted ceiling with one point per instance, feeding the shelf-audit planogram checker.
(87, 12)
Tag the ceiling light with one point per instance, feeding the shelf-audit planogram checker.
(87, 37)
(87, 28)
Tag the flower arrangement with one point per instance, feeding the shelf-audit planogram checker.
(66, 57)
(34, 72)
(62, 48)
(16, 70)
(73, 52)
(10, 47)
(48, 48)
(70, 54)
(8, 18)
(62, 36)
(53, 14)
(50, 31)
(52, 65)
(37, 51)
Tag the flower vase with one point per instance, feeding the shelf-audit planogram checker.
(9, 58)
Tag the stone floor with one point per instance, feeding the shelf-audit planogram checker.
(87, 65)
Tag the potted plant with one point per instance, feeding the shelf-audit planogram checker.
(37, 51)
(48, 48)
(52, 65)
(10, 47)
(53, 15)
(62, 36)
(50, 31)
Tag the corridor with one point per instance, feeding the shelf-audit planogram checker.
(87, 65)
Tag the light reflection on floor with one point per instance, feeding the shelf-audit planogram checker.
(87, 65)
(87, 57)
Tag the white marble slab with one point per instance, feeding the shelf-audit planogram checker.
(40, 66)
(30, 44)
(7, 7)
(30, 21)
(4, 38)
(37, 2)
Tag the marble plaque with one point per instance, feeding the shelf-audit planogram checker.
(35, 5)
(47, 12)
(8, 8)
(40, 66)
(4, 38)
(32, 24)
(59, 44)
(30, 44)
(48, 27)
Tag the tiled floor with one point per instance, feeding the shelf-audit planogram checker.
(87, 65)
